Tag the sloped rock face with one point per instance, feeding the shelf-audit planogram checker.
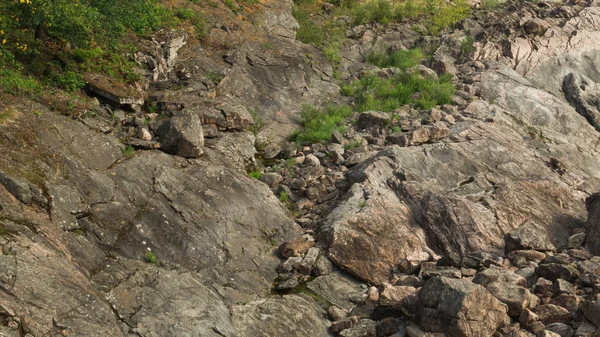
(290, 316)
(81, 244)
(522, 153)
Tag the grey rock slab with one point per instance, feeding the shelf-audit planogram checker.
(157, 302)
(337, 289)
(290, 315)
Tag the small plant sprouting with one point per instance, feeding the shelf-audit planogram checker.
(256, 174)
(128, 151)
(150, 257)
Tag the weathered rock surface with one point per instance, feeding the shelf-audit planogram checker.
(291, 315)
(464, 308)
(182, 135)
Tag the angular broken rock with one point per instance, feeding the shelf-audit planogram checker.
(515, 297)
(20, 189)
(310, 259)
(295, 247)
(466, 309)
(369, 119)
(528, 236)
(182, 135)
(592, 204)
(550, 313)
(114, 91)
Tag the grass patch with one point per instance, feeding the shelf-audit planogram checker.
(256, 174)
(318, 125)
(16, 83)
(379, 94)
(402, 59)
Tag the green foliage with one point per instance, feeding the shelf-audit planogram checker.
(446, 14)
(376, 93)
(150, 257)
(309, 31)
(70, 81)
(436, 14)
(259, 122)
(128, 151)
(256, 174)
(466, 47)
(402, 59)
(489, 4)
(318, 125)
(284, 197)
(14, 82)
(215, 76)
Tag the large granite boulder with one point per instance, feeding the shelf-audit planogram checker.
(463, 308)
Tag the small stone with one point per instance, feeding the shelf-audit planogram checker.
(364, 328)
(561, 329)
(286, 282)
(288, 265)
(576, 240)
(527, 317)
(563, 287)
(341, 325)
(323, 266)
(543, 286)
(467, 272)
(272, 151)
(528, 236)
(310, 259)
(312, 193)
(373, 294)
(336, 313)
(567, 301)
(550, 313)
(312, 160)
(408, 281)
(295, 247)
(272, 179)
(591, 311)
(554, 271)
(144, 134)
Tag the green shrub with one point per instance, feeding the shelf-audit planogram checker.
(318, 125)
(14, 82)
(69, 81)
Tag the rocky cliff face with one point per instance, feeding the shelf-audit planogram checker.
(469, 222)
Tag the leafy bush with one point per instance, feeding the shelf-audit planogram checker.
(13, 82)
(318, 125)
(69, 80)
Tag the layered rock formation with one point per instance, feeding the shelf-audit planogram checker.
(469, 222)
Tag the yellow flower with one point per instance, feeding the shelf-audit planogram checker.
(3, 41)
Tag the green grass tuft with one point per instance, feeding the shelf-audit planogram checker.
(318, 125)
